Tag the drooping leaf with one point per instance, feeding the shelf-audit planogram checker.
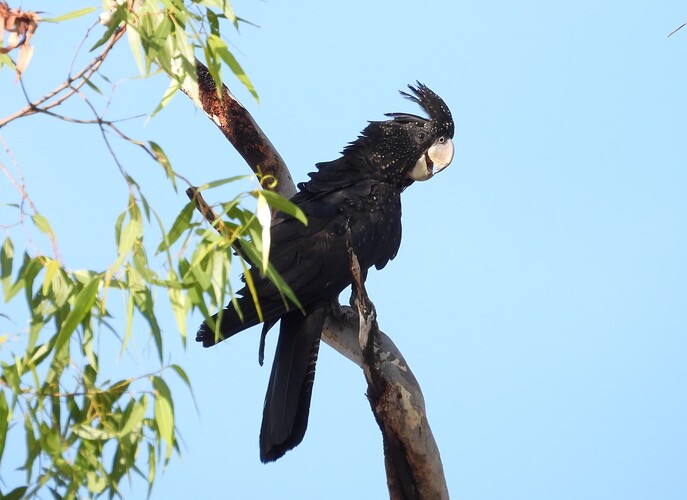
(163, 160)
(265, 219)
(42, 224)
(164, 413)
(179, 303)
(69, 15)
(151, 467)
(218, 46)
(135, 45)
(118, 16)
(134, 417)
(221, 182)
(225, 7)
(181, 224)
(4, 421)
(51, 268)
(15, 494)
(171, 91)
(131, 233)
(282, 204)
(82, 306)
(129, 322)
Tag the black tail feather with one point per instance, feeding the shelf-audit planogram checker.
(287, 402)
(231, 323)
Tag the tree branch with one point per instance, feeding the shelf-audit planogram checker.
(81, 78)
(411, 456)
(413, 463)
(238, 126)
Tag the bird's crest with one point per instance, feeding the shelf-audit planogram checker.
(434, 106)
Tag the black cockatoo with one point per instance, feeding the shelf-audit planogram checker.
(354, 200)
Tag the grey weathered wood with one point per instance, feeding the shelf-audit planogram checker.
(413, 463)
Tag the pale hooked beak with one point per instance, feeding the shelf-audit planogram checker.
(435, 159)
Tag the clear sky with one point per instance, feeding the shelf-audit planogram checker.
(540, 293)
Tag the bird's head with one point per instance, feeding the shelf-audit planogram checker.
(408, 147)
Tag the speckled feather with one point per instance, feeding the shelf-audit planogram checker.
(360, 191)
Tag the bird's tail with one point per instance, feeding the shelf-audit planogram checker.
(287, 402)
(232, 323)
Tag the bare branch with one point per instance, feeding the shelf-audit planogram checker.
(206, 211)
(411, 456)
(238, 126)
(82, 77)
(20, 186)
(677, 29)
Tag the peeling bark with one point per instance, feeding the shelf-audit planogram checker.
(240, 129)
(412, 460)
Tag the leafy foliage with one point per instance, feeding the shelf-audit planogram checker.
(53, 391)
(83, 432)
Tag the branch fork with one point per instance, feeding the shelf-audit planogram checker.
(413, 464)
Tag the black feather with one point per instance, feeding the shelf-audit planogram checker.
(356, 200)
(287, 402)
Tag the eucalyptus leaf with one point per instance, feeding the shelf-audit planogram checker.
(69, 15)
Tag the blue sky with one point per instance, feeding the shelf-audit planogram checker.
(541, 287)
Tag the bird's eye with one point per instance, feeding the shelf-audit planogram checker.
(442, 140)
(421, 136)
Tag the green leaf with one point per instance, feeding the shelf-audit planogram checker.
(214, 65)
(42, 224)
(283, 205)
(50, 269)
(217, 46)
(15, 494)
(251, 288)
(95, 482)
(151, 467)
(145, 304)
(6, 259)
(179, 304)
(85, 431)
(164, 414)
(119, 222)
(162, 159)
(135, 44)
(134, 418)
(6, 256)
(129, 235)
(70, 15)
(167, 97)
(6, 60)
(225, 7)
(221, 182)
(201, 277)
(182, 374)
(118, 16)
(4, 421)
(265, 219)
(92, 85)
(181, 224)
(39, 354)
(129, 322)
(82, 306)
(272, 274)
(50, 439)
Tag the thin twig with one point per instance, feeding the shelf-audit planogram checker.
(83, 75)
(20, 186)
(677, 29)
